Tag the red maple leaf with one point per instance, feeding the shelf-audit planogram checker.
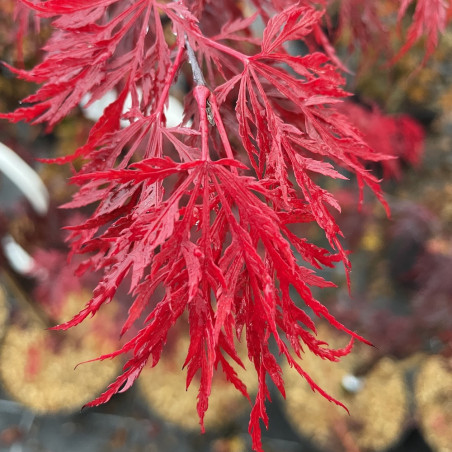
(403, 138)
(204, 210)
(429, 20)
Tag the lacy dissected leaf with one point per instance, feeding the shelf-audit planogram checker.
(116, 52)
(429, 20)
(23, 18)
(267, 93)
(227, 290)
(201, 221)
(369, 24)
(364, 23)
(403, 138)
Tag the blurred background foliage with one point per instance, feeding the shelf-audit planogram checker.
(399, 393)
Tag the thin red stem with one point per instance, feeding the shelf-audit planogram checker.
(225, 49)
(171, 76)
(201, 94)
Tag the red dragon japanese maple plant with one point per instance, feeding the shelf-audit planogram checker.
(197, 218)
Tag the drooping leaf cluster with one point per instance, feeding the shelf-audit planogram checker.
(403, 137)
(198, 219)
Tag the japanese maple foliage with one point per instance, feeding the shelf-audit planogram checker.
(369, 23)
(403, 137)
(203, 212)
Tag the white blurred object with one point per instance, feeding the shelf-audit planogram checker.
(25, 178)
(96, 109)
(174, 112)
(352, 384)
(20, 261)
